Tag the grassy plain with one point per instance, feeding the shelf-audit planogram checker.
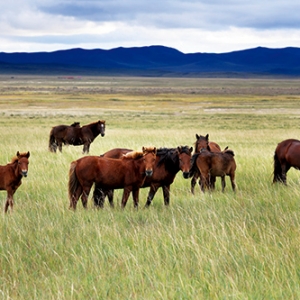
(204, 246)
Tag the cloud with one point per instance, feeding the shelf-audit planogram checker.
(182, 13)
(187, 25)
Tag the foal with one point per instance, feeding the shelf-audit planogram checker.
(11, 176)
(213, 164)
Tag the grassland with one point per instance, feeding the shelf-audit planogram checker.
(242, 245)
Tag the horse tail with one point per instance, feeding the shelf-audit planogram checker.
(277, 169)
(73, 182)
(228, 151)
(52, 143)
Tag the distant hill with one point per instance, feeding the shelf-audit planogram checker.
(154, 61)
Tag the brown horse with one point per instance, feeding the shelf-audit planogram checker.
(128, 173)
(213, 164)
(202, 142)
(287, 155)
(75, 135)
(169, 161)
(11, 176)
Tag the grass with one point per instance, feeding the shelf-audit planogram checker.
(242, 245)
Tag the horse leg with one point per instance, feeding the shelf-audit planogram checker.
(10, 199)
(232, 179)
(193, 183)
(126, 193)
(151, 194)
(110, 196)
(203, 182)
(99, 197)
(223, 183)
(85, 195)
(285, 169)
(166, 193)
(212, 182)
(135, 196)
(59, 146)
(9, 202)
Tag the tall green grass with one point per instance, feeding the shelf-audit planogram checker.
(242, 245)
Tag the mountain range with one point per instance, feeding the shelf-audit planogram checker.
(154, 61)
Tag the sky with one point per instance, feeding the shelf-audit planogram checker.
(190, 26)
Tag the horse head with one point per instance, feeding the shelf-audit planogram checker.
(101, 126)
(202, 142)
(184, 155)
(75, 124)
(23, 162)
(149, 155)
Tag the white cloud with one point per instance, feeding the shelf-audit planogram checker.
(187, 25)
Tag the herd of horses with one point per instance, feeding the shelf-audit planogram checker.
(130, 170)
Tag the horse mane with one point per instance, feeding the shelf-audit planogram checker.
(14, 159)
(133, 155)
(168, 157)
(138, 154)
(94, 124)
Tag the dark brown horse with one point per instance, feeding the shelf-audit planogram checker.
(213, 164)
(127, 173)
(169, 161)
(287, 155)
(75, 135)
(11, 176)
(202, 142)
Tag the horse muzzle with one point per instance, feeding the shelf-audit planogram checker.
(149, 173)
(24, 173)
(186, 175)
(102, 134)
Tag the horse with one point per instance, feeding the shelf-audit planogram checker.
(127, 173)
(287, 155)
(11, 176)
(202, 142)
(169, 161)
(75, 135)
(212, 164)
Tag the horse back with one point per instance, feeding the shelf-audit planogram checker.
(214, 147)
(216, 163)
(102, 171)
(283, 147)
(116, 153)
(292, 154)
(59, 131)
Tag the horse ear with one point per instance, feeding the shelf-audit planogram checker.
(18, 153)
(155, 151)
(197, 136)
(191, 149)
(207, 137)
(28, 154)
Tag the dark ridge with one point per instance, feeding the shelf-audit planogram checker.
(155, 61)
